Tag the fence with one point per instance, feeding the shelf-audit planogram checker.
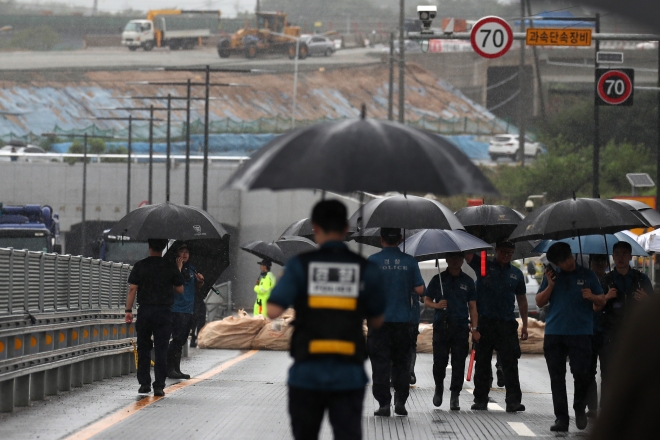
(61, 324)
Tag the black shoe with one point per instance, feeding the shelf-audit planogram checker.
(144, 389)
(500, 377)
(383, 411)
(480, 406)
(437, 396)
(453, 402)
(158, 392)
(516, 407)
(592, 413)
(193, 342)
(559, 426)
(413, 378)
(581, 421)
(172, 373)
(177, 368)
(400, 409)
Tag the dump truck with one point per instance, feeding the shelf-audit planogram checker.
(30, 227)
(272, 34)
(174, 28)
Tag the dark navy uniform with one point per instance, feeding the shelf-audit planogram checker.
(332, 290)
(451, 326)
(496, 296)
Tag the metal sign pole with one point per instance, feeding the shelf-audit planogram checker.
(596, 158)
(128, 177)
(657, 173)
(186, 197)
(83, 231)
(151, 154)
(521, 88)
(205, 172)
(168, 164)
(390, 90)
(402, 63)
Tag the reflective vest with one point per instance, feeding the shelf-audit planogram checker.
(329, 315)
(263, 289)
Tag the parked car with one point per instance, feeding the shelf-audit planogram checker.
(508, 145)
(26, 153)
(532, 288)
(319, 45)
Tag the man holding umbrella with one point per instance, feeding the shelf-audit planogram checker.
(264, 285)
(389, 346)
(497, 289)
(452, 301)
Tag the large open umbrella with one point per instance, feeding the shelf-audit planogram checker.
(301, 228)
(594, 244)
(641, 210)
(168, 221)
(210, 257)
(362, 155)
(489, 222)
(407, 212)
(292, 246)
(431, 244)
(262, 249)
(371, 236)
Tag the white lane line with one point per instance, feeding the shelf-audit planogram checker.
(470, 390)
(521, 429)
(495, 407)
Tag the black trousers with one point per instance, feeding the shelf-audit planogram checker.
(596, 352)
(181, 325)
(607, 355)
(153, 321)
(414, 331)
(455, 340)
(307, 408)
(389, 350)
(199, 317)
(503, 337)
(578, 349)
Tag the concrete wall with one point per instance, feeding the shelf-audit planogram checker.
(258, 215)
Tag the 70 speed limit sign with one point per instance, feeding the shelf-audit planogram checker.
(491, 37)
(615, 86)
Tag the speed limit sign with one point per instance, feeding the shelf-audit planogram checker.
(615, 86)
(491, 37)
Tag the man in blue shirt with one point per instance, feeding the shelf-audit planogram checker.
(498, 287)
(571, 294)
(389, 346)
(628, 288)
(332, 290)
(182, 312)
(455, 301)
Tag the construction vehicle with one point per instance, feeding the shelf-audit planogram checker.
(273, 34)
(121, 249)
(175, 28)
(31, 227)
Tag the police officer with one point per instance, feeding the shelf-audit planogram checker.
(264, 285)
(152, 281)
(389, 346)
(497, 289)
(571, 294)
(182, 312)
(598, 264)
(332, 290)
(627, 288)
(451, 328)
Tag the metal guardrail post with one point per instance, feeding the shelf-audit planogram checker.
(22, 391)
(51, 382)
(108, 367)
(38, 386)
(10, 296)
(88, 371)
(7, 395)
(77, 375)
(64, 378)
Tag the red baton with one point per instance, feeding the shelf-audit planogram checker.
(471, 365)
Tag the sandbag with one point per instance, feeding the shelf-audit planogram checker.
(233, 332)
(276, 334)
(425, 338)
(536, 334)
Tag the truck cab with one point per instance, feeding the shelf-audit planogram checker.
(30, 227)
(139, 33)
(121, 249)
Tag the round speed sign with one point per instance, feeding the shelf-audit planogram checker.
(491, 37)
(615, 87)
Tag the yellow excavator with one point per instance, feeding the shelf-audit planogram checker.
(273, 34)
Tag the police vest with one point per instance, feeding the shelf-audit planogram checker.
(329, 315)
(615, 309)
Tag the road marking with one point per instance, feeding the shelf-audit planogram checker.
(521, 429)
(494, 407)
(470, 390)
(124, 413)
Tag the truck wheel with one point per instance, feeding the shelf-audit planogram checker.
(223, 49)
(328, 52)
(132, 48)
(251, 51)
(303, 51)
(148, 46)
(291, 51)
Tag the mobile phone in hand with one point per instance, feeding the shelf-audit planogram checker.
(553, 273)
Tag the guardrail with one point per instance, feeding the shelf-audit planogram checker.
(59, 157)
(61, 324)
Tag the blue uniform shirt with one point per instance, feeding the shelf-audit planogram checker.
(185, 302)
(329, 373)
(400, 275)
(497, 291)
(568, 313)
(458, 291)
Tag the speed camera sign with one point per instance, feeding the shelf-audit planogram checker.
(615, 86)
(491, 37)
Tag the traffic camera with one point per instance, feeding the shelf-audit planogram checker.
(426, 16)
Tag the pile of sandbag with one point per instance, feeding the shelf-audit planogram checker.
(276, 334)
(536, 333)
(233, 332)
(425, 338)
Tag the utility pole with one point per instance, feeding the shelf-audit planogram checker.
(186, 196)
(168, 166)
(596, 158)
(390, 90)
(537, 67)
(151, 154)
(128, 172)
(205, 172)
(402, 63)
(657, 153)
(521, 87)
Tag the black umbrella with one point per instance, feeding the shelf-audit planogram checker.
(168, 221)
(431, 244)
(362, 155)
(407, 212)
(209, 257)
(292, 246)
(301, 228)
(641, 210)
(575, 217)
(262, 249)
(371, 236)
(489, 222)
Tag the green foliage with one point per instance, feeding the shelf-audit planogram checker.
(39, 38)
(116, 150)
(48, 141)
(94, 146)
